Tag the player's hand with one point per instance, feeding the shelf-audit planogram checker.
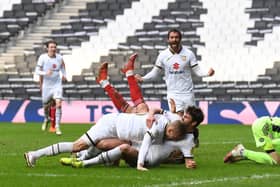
(191, 164)
(49, 72)
(211, 72)
(64, 79)
(172, 105)
(150, 120)
(138, 78)
(141, 168)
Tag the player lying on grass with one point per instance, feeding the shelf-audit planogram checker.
(193, 117)
(266, 132)
(150, 154)
(130, 127)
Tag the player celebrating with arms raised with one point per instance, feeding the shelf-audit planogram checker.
(177, 62)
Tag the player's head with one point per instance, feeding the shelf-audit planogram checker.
(51, 47)
(175, 130)
(193, 115)
(174, 38)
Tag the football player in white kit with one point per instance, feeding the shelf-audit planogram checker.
(177, 62)
(157, 153)
(131, 127)
(48, 67)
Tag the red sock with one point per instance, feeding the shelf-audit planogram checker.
(52, 116)
(116, 98)
(135, 91)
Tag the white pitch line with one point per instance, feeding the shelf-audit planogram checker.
(216, 180)
(73, 175)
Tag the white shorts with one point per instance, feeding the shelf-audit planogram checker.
(182, 101)
(54, 92)
(104, 128)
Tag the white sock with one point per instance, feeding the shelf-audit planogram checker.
(63, 147)
(91, 152)
(57, 117)
(104, 83)
(105, 157)
(129, 73)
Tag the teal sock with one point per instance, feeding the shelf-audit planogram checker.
(259, 157)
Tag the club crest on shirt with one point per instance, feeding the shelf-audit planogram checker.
(184, 58)
(54, 66)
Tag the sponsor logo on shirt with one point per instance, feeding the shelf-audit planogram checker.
(176, 66)
(176, 72)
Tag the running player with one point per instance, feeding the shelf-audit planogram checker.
(48, 67)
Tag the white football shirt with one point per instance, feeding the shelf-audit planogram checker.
(46, 63)
(177, 69)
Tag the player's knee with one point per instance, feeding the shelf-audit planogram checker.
(124, 148)
(103, 145)
(142, 108)
(79, 146)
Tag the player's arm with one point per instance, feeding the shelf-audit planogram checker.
(146, 143)
(41, 82)
(63, 71)
(151, 116)
(149, 76)
(202, 72)
(39, 68)
(186, 146)
(150, 135)
(199, 70)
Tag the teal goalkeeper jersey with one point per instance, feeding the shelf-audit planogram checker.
(265, 130)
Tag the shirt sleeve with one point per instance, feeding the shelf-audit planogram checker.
(146, 143)
(63, 70)
(156, 69)
(186, 145)
(200, 71)
(39, 66)
(152, 74)
(193, 61)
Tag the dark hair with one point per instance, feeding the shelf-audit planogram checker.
(196, 114)
(175, 30)
(179, 128)
(50, 42)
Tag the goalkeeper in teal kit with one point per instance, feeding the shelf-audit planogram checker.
(266, 131)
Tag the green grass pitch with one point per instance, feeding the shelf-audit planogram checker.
(216, 141)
